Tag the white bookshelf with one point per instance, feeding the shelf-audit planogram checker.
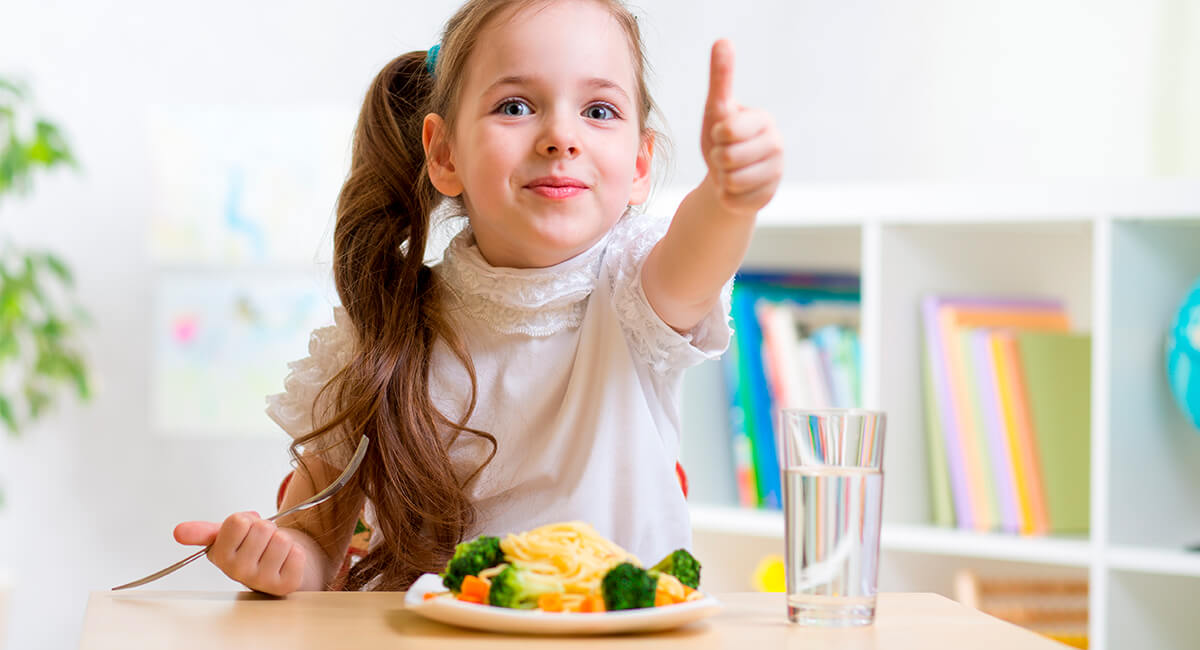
(1121, 254)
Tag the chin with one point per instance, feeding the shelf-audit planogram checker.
(566, 231)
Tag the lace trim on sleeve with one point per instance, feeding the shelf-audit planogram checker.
(329, 350)
(651, 338)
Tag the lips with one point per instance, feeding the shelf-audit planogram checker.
(556, 187)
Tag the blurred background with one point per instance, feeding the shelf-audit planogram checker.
(212, 138)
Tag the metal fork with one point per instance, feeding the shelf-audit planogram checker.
(310, 502)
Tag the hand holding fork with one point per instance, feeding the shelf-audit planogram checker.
(253, 550)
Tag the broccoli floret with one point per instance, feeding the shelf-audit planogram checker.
(516, 589)
(469, 559)
(681, 564)
(626, 586)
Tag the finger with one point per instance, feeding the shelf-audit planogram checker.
(292, 571)
(197, 533)
(720, 81)
(276, 551)
(250, 552)
(750, 178)
(732, 157)
(742, 125)
(233, 531)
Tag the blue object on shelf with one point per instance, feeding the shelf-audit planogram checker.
(1183, 356)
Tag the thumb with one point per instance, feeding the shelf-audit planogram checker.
(720, 83)
(197, 533)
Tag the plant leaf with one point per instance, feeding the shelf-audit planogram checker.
(59, 268)
(38, 400)
(17, 89)
(8, 343)
(7, 415)
(73, 364)
(52, 138)
(54, 330)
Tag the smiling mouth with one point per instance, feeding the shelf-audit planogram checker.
(556, 188)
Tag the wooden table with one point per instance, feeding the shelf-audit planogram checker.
(332, 621)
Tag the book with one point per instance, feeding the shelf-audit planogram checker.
(991, 421)
(959, 451)
(808, 299)
(1057, 369)
(743, 451)
(752, 397)
(966, 389)
(1027, 473)
(836, 345)
(1000, 313)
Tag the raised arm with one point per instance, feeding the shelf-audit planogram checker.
(710, 232)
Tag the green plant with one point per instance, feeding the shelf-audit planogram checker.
(39, 317)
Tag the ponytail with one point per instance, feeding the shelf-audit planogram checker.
(421, 506)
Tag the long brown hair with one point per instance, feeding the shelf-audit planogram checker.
(383, 221)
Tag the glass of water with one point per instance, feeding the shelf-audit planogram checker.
(832, 465)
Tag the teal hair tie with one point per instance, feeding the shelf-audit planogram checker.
(431, 58)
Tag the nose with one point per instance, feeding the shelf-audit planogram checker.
(558, 137)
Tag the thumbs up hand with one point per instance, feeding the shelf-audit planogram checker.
(741, 146)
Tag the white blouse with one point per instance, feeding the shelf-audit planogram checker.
(578, 380)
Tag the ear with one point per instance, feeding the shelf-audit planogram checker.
(641, 177)
(438, 157)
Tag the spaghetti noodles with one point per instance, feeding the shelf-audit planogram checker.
(568, 567)
(570, 554)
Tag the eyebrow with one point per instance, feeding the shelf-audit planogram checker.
(594, 82)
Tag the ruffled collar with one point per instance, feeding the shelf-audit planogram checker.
(535, 302)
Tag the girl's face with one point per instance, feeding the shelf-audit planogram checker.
(547, 149)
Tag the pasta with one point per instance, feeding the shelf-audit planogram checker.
(568, 567)
(570, 553)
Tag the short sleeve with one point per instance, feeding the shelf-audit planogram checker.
(663, 348)
(329, 350)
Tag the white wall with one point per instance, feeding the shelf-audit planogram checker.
(863, 90)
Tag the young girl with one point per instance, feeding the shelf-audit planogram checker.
(532, 375)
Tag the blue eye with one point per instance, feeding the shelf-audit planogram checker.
(600, 112)
(514, 108)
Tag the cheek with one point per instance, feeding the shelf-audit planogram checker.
(496, 154)
(622, 163)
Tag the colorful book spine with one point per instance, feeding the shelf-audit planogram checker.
(754, 397)
(944, 422)
(1026, 473)
(1057, 367)
(940, 501)
(760, 331)
(740, 441)
(984, 511)
(949, 412)
(991, 421)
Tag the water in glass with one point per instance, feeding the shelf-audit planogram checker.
(833, 541)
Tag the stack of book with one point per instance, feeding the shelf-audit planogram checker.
(1007, 404)
(795, 345)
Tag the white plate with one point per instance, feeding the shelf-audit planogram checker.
(500, 619)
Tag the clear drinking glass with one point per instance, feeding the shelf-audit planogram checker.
(832, 465)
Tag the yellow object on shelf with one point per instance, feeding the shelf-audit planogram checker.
(769, 575)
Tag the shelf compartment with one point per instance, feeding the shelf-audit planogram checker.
(1152, 611)
(1154, 452)
(1011, 258)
